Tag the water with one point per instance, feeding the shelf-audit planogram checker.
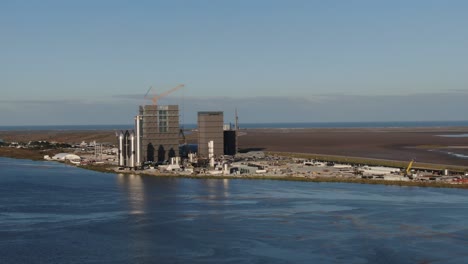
(53, 213)
(260, 125)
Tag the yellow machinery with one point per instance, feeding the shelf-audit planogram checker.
(408, 169)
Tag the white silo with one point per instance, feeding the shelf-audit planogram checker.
(211, 152)
(131, 157)
(138, 140)
(121, 150)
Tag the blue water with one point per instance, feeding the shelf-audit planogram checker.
(53, 213)
(260, 125)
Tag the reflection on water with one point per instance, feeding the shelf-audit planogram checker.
(132, 185)
(217, 189)
(69, 215)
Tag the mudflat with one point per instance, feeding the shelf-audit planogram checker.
(430, 145)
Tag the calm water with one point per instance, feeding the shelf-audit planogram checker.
(260, 125)
(52, 213)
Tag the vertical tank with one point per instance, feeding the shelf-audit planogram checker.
(121, 151)
(137, 140)
(211, 153)
(126, 148)
(131, 158)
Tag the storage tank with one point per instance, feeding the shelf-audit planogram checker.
(138, 140)
(126, 148)
(121, 150)
(131, 158)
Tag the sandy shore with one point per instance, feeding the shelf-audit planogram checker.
(421, 144)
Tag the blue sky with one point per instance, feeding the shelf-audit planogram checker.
(91, 62)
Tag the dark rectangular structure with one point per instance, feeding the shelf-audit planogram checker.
(230, 144)
(210, 127)
(160, 132)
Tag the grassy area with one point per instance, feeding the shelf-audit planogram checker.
(106, 168)
(371, 162)
(23, 153)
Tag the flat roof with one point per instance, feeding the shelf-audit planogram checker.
(210, 113)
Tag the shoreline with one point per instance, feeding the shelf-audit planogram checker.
(284, 178)
(392, 147)
(109, 169)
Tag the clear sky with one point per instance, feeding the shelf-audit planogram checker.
(91, 62)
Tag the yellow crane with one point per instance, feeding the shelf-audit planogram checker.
(159, 96)
(408, 169)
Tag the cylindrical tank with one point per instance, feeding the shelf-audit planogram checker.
(131, 160)
(121, 150)
(210, 149)
(126, 148)
(137, 140)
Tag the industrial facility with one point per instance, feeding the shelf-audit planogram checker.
(230, 140)
(156, 136)
(160, 132)
(210, 128)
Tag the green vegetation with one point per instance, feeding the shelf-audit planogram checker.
(47, 145)
(23, 153)
(369, 161)
(107, 168)
(430, 146)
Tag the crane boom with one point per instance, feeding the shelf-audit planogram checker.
(147, 92)
(408, 169)
(159, 96)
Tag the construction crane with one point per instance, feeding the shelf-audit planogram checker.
(159, 96)
(408, 169)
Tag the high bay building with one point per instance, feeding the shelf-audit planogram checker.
(159, 132)
(156, 136)
(210, 128)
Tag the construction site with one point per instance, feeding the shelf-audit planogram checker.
(157, 146)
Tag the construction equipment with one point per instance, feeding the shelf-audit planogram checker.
(408, 169)
(159, 96)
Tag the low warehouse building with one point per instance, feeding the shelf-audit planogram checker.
(66, 156)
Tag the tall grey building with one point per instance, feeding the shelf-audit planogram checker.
(210, 127)
(160, 132)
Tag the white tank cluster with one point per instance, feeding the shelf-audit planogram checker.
(130, 146)
(211, 152)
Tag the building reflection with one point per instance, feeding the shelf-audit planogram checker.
(134, 188)
(217, 189)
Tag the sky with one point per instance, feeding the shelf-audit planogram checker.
(92, 61)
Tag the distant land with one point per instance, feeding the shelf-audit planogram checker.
(392, 124)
